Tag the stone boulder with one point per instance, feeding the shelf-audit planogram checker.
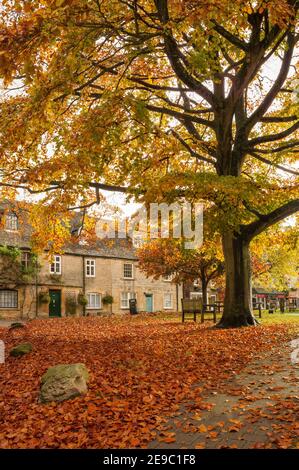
(16, 325)
(63, 381)
(21, 349)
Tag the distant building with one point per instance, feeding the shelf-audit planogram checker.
(275, 299)
(192, 290)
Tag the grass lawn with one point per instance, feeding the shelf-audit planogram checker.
(141, 370)
(267, 318)
(277, 318)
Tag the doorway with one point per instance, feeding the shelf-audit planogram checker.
(55, 303)
(149, 303)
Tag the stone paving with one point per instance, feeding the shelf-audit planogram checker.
(5, 323)
(242, 412)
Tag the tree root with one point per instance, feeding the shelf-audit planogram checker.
(237, 322)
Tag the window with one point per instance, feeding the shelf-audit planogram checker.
(128, 271)
(94, 300)
(90, 268)
(196, 295)
(168, 300)
(167, 278)
(212, 299)
(8, 299)
(125, 297)
(25, 259)
(55, 266)
(11, 221)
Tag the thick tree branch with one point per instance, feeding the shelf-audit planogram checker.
(252, 210)
(175, 57)
(281, 148)
(274, 137)
(54, 185)
(109, 187)
(180, 116)
(279, 118)
(191, 151)
(255, 228)
(276, 165)
(282, 76)
(230, 37)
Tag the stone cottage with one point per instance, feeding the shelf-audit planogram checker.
(82, 280)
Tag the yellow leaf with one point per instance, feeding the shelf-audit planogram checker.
(202, 428)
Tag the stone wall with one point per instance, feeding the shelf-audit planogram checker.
(109, 280)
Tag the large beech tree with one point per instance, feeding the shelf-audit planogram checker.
(163, 99)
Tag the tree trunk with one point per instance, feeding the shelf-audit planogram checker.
(204, 288)
(237, 301)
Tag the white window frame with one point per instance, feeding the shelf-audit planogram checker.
(11, 222)
(90, 264)
(196, 295)
(124, 270)
(12, 303)
(25, 259)
(168, 305)
(56, 265)
(167, 278)
(124, 303)
(211, 297)
(97, 304)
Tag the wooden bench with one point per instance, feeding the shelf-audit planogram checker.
(219, 306)
(194, 307)
(208, 308)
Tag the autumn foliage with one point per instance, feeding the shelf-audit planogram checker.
(141, 370)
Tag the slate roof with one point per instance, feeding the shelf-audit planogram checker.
(116, 248)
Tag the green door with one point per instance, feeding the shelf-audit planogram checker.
(149, 302)
(55, 303)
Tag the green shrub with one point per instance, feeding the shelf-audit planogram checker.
(70, 305)
(44, 298)
(82, 300)
(107, 300)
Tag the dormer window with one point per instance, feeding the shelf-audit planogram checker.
(11, 221)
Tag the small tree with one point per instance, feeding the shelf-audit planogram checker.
(108, 300)
(70, 304)
(162, 257)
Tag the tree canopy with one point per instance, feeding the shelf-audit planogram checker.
(162, 99)
(275, 256)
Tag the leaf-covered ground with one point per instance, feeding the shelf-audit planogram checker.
(142, 370)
